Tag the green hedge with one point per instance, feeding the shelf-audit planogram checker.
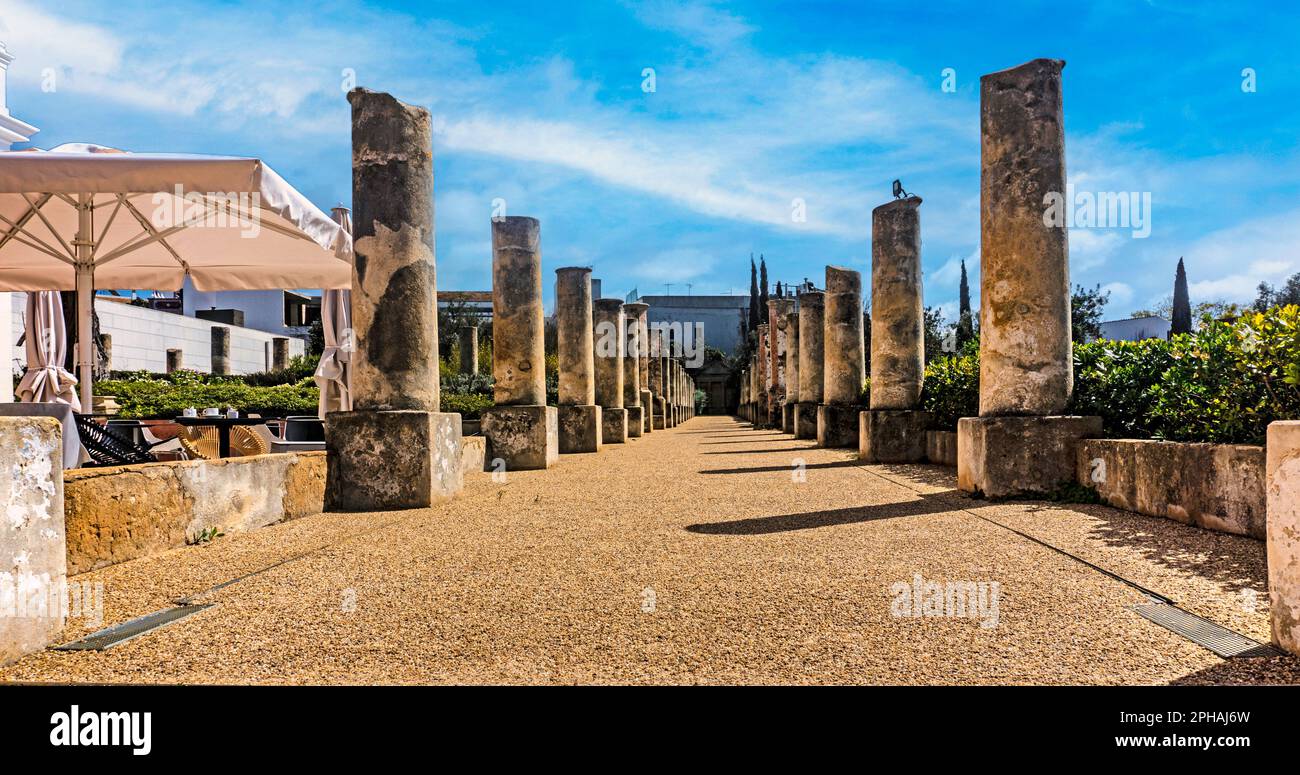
(156, 398)
(1224, 383)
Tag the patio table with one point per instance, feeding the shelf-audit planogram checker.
(223, 425)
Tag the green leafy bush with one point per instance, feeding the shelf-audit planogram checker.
(157, 398)
(470, 406)
(1223, 383)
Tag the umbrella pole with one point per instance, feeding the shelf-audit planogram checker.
(85, 285)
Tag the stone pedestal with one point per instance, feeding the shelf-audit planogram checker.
(525, 437)
(635, 421)
(1282, 493)
(661, 413)
(805, 420)
(580, 429)
(893, 435)
(1002, 457)
(381, 460)
(837, 426)
(395, 450)
(33, 545)
(787, 417)
(613, 423)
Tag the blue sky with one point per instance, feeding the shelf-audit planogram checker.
(755, 105)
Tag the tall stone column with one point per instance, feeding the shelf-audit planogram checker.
(763, 363)
(522, 431)
(1016, 445)
(611, 343)
(755, 380)
(395, 449)
(1282, 487)
(632, 314)
(175, 360)
(893, 429)
(791, 372)
(844, 367)
(643, 368)
(811, 354)
(279, 353)
(220, 350)
(467, 341)
(578, 413)
(778, 336)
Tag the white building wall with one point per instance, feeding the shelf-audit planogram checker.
(142, 337)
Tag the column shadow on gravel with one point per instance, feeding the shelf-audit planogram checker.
(770, 469)
(829, 518)
(782, 450)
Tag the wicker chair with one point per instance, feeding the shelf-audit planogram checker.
(203, 442)
(110, 448)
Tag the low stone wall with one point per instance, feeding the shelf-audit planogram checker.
(124, 512)
(1214, 486)
(941, 447)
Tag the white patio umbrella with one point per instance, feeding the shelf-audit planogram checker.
(82, 216)
(334, 374)
(46, 381)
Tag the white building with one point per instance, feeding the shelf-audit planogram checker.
(1135, 329)
(11, 131)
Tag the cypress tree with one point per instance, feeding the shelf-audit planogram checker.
(1182, 313)
(965, 324)
(762, 289)
(753, 295)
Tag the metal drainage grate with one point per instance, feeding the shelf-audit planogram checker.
(121, 633)
(1203, 632)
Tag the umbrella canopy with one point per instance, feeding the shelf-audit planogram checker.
(334, 374)
(81, 217)
(46, 381)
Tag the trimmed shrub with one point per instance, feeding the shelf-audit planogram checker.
(470, 406)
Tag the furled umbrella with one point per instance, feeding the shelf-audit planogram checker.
(46, 381)
(334, 373)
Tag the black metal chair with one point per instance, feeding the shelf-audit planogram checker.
(107, 447)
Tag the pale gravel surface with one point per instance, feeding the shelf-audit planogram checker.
(755, 579)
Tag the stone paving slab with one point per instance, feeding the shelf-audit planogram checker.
(689, 556)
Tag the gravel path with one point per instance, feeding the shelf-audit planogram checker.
(688, 556)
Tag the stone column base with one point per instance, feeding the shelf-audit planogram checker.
(837, 426)
(579, 429)
(787, 418)
(1001, 457)
(893, 435)
(1282, 491)
(660, 417)
(647, 405)
(379, 460)
(526, 437)
(613, 424)
(635, 421)
(805, 420)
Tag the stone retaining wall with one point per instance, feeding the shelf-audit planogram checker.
(941, 447)
(1214, 486)
(124, 512)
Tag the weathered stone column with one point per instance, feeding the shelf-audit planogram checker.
(632, 314)
(578, 412)
(175, 360)
(893, 429)
(755, 379)
(467, 343)
(521, 429)
(1015, 446)
(1283, 540)
(220, 363)
(791, 372)
(844, 366)
(279, 353)
(763, 365)
(395, 449)
(778, 336)
(610, 339)
(33, 544)
(106, 341)
(643, 369)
